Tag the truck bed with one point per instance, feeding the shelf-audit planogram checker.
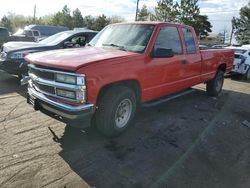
(211, 59)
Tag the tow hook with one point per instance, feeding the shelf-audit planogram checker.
(25, 80)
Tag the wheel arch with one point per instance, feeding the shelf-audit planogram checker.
(131, 83)
(222, 67)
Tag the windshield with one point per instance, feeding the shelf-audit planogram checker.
(19, 32)
(239, 51)
(56, 39)
(127, 37)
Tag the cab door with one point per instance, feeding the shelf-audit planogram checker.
(192, 59)
(167, 72)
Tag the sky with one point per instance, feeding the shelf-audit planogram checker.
(220, 12)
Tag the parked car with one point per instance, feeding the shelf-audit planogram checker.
(27, 35)
(13, 53)
(204, 47)
(4, 35)
(245, 46)
(124, 65)
(218, 46)
(34, 33)
(47, 30)
(241, 61)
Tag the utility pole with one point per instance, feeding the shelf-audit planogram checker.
(34, 18)
(232, 31)
(137, 9)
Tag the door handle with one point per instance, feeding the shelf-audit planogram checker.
(184, 61)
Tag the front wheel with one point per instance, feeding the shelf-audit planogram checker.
(116, 109)
(215, 85)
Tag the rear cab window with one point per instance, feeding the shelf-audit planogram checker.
(169, 38)
(189, 41)
(36, 33)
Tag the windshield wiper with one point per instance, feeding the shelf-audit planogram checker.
(115, 45)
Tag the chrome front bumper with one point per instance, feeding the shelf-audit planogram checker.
(77, 116)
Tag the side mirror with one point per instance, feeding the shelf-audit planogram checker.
(68, 44)
(162, 53)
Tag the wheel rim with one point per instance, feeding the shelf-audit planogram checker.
(123, 113)
(219, 83)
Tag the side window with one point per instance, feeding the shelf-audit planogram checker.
(36, 34)
(189, 40)
(28, 33)
(169, 38)
(79, 40)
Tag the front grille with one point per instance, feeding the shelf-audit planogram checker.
(43, 80)
(45, 88)
(42, 74)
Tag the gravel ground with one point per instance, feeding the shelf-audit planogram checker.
(192, 141)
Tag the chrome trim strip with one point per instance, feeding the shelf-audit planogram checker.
(54, 71)
(62, 106)
(56, 96)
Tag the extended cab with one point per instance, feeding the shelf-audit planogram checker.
(124, 65)
(25, 35)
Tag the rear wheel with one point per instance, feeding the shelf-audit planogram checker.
(215, 85)
(116, 109)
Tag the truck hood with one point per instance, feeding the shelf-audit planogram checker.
(73, 59)
(16, 46)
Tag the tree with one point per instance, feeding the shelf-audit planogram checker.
(116, 19)
(13, 22)
(77, 18)
(63, 18)
(143, 14)
(202, 26)
(242, 25)
(89, 21)
(5, 22)
(101, 22)
(47, 19)
(186, 11)
(166, 10)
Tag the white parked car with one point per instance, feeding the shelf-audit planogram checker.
(241, 61)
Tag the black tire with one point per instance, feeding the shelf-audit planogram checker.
(215, 85)
(247, 75)
(112, 110)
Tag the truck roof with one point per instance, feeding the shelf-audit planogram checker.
(152, 23)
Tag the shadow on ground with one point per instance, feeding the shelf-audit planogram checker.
(11, 84)
(187, 142)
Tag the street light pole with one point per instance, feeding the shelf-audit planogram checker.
(137, 9)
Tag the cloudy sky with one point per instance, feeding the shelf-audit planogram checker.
(220, 12)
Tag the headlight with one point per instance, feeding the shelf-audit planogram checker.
(70, 79)
(17, 55)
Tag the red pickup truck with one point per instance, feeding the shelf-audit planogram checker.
(124, 65)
